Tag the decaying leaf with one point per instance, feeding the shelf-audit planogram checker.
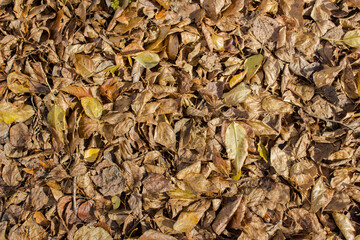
(92, 107)
(18, 82)
(236, 145)
(237, 95)
(148, 59)
(320, 195)
(56, 118)
(91, 232)
(84, 65)
(352, 38)
(274, 105)
(345, 225)
(252, 65)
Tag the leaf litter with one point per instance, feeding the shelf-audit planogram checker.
(184, 119)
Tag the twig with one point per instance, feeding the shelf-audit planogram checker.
(74, 196)
(329, 120)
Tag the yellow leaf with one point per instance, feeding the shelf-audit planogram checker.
(182, 194)
(262, 151)
(218, 42)
(252, 65)
(352, 38)
(90, 155)
(56, 118)
(237, 176)
(186, 221)
(92, 107)
(116, 201)
(10, 113)
(84, 65)
(237, 78)
(236, 144)
(18, 82)
(237, 95)
(148, 59)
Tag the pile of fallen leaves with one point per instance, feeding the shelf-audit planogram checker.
(203, 119)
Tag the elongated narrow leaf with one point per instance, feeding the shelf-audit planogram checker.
(236, 145)
(352, 38)
(345, 225)
(252, 65)
(148, 59)
(92, 107)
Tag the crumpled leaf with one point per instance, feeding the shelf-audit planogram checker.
(90, 155)
(218, 41)
(92, 107)
(236, 145)
(352, 38)
(90, 232)
(345, 225)
(237, 78)
(252, 65)
(320, 195)
(18, 82)
(10, 113)
(56, 118)
(148, 59)
(237, 95)
(155, 235)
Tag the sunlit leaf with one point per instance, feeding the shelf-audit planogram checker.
(92, 107)
(345, 225)
(115, 201)
(56, 118)
(320, 195)
(10, 113)
(252, 65)
(261, 129)
(91, 232)
(148, 59)
(78, 92)
(352, 38)
(218, 41)
(164, 3)
(262, 151)
(275, 105)
(84, 65)
(111, 69)
(236, 144)
(237, 95)
(182, 194)
(18, 82)
(91, 154)
(237, 78)
(187, 221)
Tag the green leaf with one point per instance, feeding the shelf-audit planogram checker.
(92, 107)
(236, 144)
(252, 65)
(148, 59)
(352, 38)
(116, 201)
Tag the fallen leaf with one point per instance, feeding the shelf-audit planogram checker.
(92, 107)
(10, 113)
(18, 82)
(56, 118)
(236, 144)
(352, 38)
(345, 225)
(273, 105)
(84, 65)
(252, 65)
(237, 95)
(90, 232)
(321, 195)
(148, 59)
(91, 154)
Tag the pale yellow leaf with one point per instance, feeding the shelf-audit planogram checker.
(91, 232)
(352, 38)
(274, 105)
(237, 79)
(90, 155)
(186, 221)
(236, 144)
(218, 41)
(148, 59)
(92, 107)
(237, 95)
(56, 118)
(252, 65)
(116, 201)
(84, 65)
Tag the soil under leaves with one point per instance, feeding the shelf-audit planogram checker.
(203, 119)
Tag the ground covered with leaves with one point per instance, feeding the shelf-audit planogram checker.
(203, 119)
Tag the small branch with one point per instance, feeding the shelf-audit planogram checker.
(74, 196)
(329, 120)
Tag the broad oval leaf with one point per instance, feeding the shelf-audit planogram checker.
(90, 155)
(187, 221)
(92, 107)
(90, 232)
(273, 105)
(237, 95)
(218, 41)
(236, 144)
(10, 113)
(148, 59)
(56, 118)
(84, 65)
(352, 38)
(252, 65)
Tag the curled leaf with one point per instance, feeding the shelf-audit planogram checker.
(218, 42)
(262, 151)
(148, 59)
(18, 82)
(352, 38)
(92, 107)
(345, 225)
(236, 145)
